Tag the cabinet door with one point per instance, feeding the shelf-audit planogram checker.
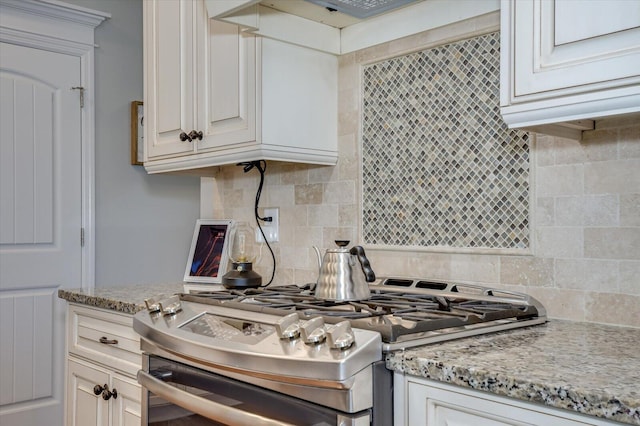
(439, 404)
(553, 53)
(228, 101)
(84, 407)
(125, 409)
(170, 73)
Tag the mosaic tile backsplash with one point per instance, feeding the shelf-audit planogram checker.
(439, 165)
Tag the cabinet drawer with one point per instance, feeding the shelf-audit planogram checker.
(104, 337)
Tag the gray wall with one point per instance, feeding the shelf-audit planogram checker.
(144, 223)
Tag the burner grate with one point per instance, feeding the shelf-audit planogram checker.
(399, 309)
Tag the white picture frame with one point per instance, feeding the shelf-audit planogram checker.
(208, 255)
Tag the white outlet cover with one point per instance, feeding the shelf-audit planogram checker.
(270, 229)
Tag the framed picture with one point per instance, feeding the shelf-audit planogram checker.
(137, 133)
(207, 261)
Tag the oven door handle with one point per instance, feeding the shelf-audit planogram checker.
(202, 406)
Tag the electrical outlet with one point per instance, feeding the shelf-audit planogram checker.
(271, 229)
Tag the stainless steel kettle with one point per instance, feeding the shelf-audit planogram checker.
(344, 274)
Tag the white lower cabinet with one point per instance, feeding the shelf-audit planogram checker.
(103, 358)
(425, 402)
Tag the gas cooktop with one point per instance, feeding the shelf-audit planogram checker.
(406, 312)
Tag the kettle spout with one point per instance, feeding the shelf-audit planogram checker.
(319, 257)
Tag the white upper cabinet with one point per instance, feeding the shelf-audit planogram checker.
(215, 94)
(564, 63)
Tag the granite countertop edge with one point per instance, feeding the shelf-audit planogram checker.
(500, 372)
(124, 299)
(493, 363)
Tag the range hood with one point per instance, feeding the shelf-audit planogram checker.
(359, 9)
(343, 26)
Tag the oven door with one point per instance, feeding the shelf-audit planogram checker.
(178, 394)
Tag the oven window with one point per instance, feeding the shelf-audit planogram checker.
(231, 393)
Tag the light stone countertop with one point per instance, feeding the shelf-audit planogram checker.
(128, 300)
(590, 368)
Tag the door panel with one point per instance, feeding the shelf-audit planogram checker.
(84, 407)
(40, 226)
(170, 82)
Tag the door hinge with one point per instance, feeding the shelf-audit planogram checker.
(81, 89)
(81, 237)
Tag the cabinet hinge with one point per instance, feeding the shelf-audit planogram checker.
(81, 237)
(81, 89)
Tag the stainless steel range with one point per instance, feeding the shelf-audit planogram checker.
(278, 355)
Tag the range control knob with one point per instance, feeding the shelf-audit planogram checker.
(340, 336)
(313, 332)
(152, 305)
(288, 327)
(170, 306)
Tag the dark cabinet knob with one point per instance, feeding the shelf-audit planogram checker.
(195, 135)
(185, 137)
(106, 341)
(107, 394)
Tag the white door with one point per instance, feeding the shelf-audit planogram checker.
(40, 227)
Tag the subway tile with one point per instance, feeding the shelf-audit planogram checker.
(630, 210)
(297, 257)
(612, 243)
(560, 303)
(323, 215)
(294, 174)
(308, 194)
(629, 142)
(559, 242)
(343, 192)
(600, 145)
(305, 275)
(348, 215)
(348, 101)
(284, 276)
(601, 210)
(308, 236)
(545, 150)
(560, 180)
(347, 146)
(545, 211)
(475, 268)
(587, 274)
(612, 177)
(348, 123)
(611, 308)
(568, 151)
(630, 277)
(278, 196)
(569, 211)
(526, 270)
(348, 72)
(322, 174)
(294, 216)
(435, 266)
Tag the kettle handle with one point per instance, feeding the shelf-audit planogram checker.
(364, 262)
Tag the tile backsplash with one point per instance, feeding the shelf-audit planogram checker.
(440, 168)
(585, 230)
